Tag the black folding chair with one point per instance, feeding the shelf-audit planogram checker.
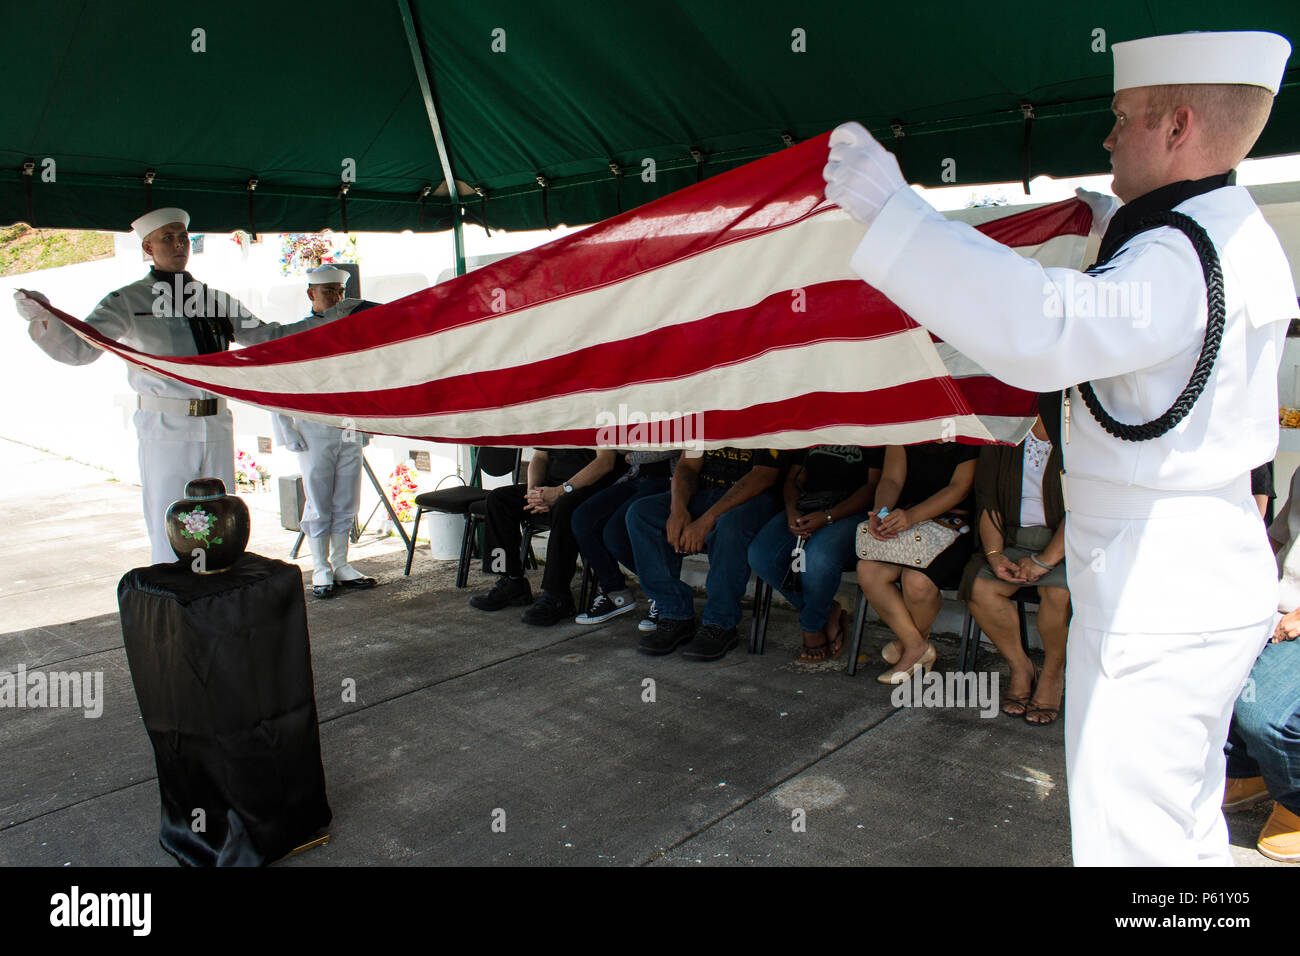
(466, 500)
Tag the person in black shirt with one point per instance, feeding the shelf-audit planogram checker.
(717, 504)
(559, 479)
(918, 482)
(826, 497)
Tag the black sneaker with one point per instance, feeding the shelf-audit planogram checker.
(607, 606)
(667, 637)
(549, 609)
(711, 643)
(651, 620)
(505, 593)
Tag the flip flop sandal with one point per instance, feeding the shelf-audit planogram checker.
(841, 639)
(824, 648)
(1053, 713)
(1021, 702)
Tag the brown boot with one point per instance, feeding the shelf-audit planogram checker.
(1242, 793)
(1280, 838)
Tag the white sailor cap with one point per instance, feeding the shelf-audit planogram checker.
(1249, 58)
(323, 275)
(158, 218)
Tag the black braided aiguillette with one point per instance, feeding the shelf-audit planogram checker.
(1216, 315)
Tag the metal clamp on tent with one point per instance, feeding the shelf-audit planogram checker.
(149, 174)
(1027, 110)
(897, 128)
(787, 139)
(482, 208)
(343, 202)
(699, 163)
(252, 223)
(617, 170)
(546, 214)
(424, 194)
(29, 173)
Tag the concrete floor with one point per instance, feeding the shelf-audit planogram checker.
(462, 717)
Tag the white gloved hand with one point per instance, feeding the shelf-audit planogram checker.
(293, 440)
(1102, 206)
(861, 174)
(31, 305)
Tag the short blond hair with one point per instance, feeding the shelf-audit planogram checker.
(1232, 115)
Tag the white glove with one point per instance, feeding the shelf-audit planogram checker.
(293, 440)
(1102, 206)
(861, 174)
(31, 305)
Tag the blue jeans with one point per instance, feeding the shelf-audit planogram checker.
(659, 567)
(600, 525)
(827, 554)
(1264, 738)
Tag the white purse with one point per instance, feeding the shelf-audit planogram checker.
(916, 547)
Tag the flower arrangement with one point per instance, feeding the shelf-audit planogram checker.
(301, 251)
(197, 524)
(402, 487)
(248, 471)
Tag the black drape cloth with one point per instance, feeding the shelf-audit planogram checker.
(222, 671)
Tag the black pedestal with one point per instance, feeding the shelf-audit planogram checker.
(222, 671)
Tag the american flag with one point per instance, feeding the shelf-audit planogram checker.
(726, 311)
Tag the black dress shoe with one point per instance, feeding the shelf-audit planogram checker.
(550, 609)
(507, 592)
(667, 637)
(324, 590)
(356, 584)
(710, 643)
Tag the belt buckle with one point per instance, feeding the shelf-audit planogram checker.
(194, 406)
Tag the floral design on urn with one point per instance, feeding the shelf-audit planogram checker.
(211, 522)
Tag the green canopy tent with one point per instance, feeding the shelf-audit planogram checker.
(411, 114)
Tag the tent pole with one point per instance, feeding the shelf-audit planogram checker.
(453, 194)
(435, 126)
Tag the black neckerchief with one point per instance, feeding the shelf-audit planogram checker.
(212, 333)
(1122, 227)
(1124, 224)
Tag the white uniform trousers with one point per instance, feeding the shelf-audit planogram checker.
(331, 478)
(1146, 719)
(166, 466)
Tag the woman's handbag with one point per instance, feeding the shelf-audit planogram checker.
(917, 546)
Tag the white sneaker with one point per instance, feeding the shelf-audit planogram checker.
(607, 606)
(651, 621)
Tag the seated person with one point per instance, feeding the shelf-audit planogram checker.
(1022, 529)
(827, 496)
(718, 502)
(917, 482)
(1261, 487)
(559, 479)
(1263, 745)
(600, 525)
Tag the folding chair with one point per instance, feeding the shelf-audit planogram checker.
(466, 500)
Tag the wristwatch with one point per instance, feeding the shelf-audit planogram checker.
(829, 519)
(568, 488)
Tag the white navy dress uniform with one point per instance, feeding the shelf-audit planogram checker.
(1171, 577)
(184, 432)
(330, 459)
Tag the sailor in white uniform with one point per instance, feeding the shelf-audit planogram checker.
(1169, 566)
(184, 432)
(330, 459)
